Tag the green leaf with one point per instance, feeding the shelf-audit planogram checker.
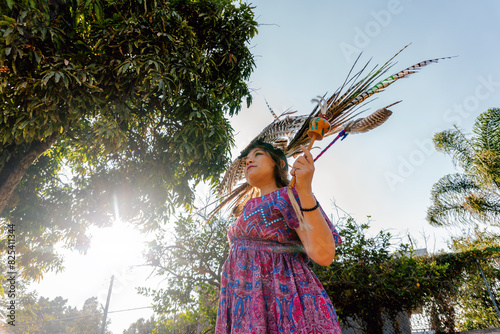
(23, 125)
(8, 36)
(47, 77)
(38, 56)
(99, 13)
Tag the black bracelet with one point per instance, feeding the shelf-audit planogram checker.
(311, 209)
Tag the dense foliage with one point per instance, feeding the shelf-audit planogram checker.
(474, 194)
(372, 279)
(367, 282)
(113, 109)
(475, 307)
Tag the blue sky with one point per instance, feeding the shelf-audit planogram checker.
(305, 49)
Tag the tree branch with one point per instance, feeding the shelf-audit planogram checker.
(13, 171)
(209, 281)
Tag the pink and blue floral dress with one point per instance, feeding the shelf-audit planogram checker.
(266, 285)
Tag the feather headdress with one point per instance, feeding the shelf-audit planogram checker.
(340, 109)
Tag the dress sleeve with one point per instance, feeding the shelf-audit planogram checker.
(285, 207)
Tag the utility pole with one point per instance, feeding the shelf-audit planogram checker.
(103, 327)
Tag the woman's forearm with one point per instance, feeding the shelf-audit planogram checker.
(319, 243)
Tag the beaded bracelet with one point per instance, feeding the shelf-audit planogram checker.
(311, 209)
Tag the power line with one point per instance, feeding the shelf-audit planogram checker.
(131, 309)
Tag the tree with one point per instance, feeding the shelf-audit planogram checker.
(185, 323)
(141, 326)
(473, 195)
(191, 261)
(45, 316)
(113, 107)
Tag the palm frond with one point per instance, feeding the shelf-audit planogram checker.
(454, 143)
(456, 198)
(487, 168)
(487, 130)
(450, 185)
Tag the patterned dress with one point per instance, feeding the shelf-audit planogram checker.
(267, 286)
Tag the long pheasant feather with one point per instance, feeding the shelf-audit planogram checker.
(342, 107)
(271, 110)
(336, 103)
(370, 122)
(390, 80)
(357, 93)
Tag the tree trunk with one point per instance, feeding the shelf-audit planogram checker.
(15, 168)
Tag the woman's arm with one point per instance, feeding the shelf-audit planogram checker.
(318, 243)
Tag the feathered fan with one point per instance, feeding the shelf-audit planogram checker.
(339, 109)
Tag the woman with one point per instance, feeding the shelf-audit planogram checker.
(266, 285)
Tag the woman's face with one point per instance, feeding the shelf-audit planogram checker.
(259, 168)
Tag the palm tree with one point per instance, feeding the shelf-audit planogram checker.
(474, 195)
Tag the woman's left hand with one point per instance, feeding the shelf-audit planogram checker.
(303, 170)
